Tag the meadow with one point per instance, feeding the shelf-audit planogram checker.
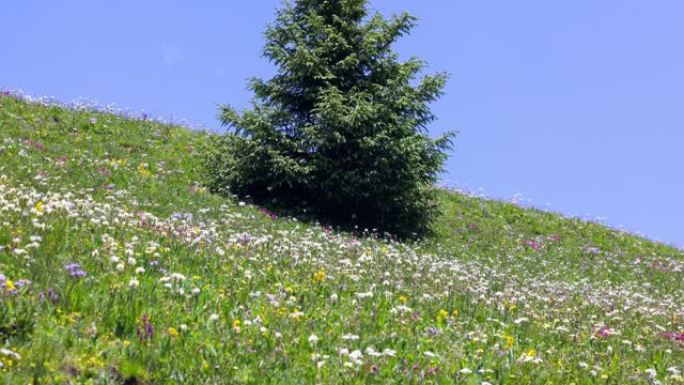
(118, 267)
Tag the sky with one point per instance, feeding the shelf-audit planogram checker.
(575, 107)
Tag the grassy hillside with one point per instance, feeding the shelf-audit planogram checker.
(117, 267)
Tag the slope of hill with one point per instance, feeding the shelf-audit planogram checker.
(117, 267)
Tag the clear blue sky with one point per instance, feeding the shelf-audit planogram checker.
(578, 105)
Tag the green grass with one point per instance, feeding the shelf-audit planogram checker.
(229, 294)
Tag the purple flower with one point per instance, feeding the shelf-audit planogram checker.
(51, 295)
(22, 283)
(592, 250)
(182, 216)
(432, 331)
(147, 332)
(75, 270)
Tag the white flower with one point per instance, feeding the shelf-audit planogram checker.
(348, 337)
(296, 314)
(372, 352)
(133, 283)
(465, 371)
(140, 270)
(401, 309)
(120, 267)
(313, 339)
(9, 353)
(214, 317)
(195, 290)
(184, 327)
(521, 320)
(356, 355)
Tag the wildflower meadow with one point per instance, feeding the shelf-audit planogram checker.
(118, 267)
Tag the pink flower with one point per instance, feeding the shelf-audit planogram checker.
(532, 244)
(605, 332)
(673, 336)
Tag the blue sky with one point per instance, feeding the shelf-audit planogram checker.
(576, 106)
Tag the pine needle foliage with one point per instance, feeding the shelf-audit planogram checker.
(340, 132)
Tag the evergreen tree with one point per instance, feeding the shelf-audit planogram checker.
(341, 130)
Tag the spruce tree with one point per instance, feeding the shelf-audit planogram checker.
(340, 132)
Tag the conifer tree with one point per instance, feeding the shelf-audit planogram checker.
(341, 130)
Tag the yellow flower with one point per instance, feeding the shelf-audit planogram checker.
(403, 299)
(236, 326)
(116, 163)
(9, 285)
(319, 276)
(39, 207)
(509, 341)
(142, 170)
(531, 353)
(73, 316)
(173, 332)
(93, 361)
(442, 315)
(455, 313)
